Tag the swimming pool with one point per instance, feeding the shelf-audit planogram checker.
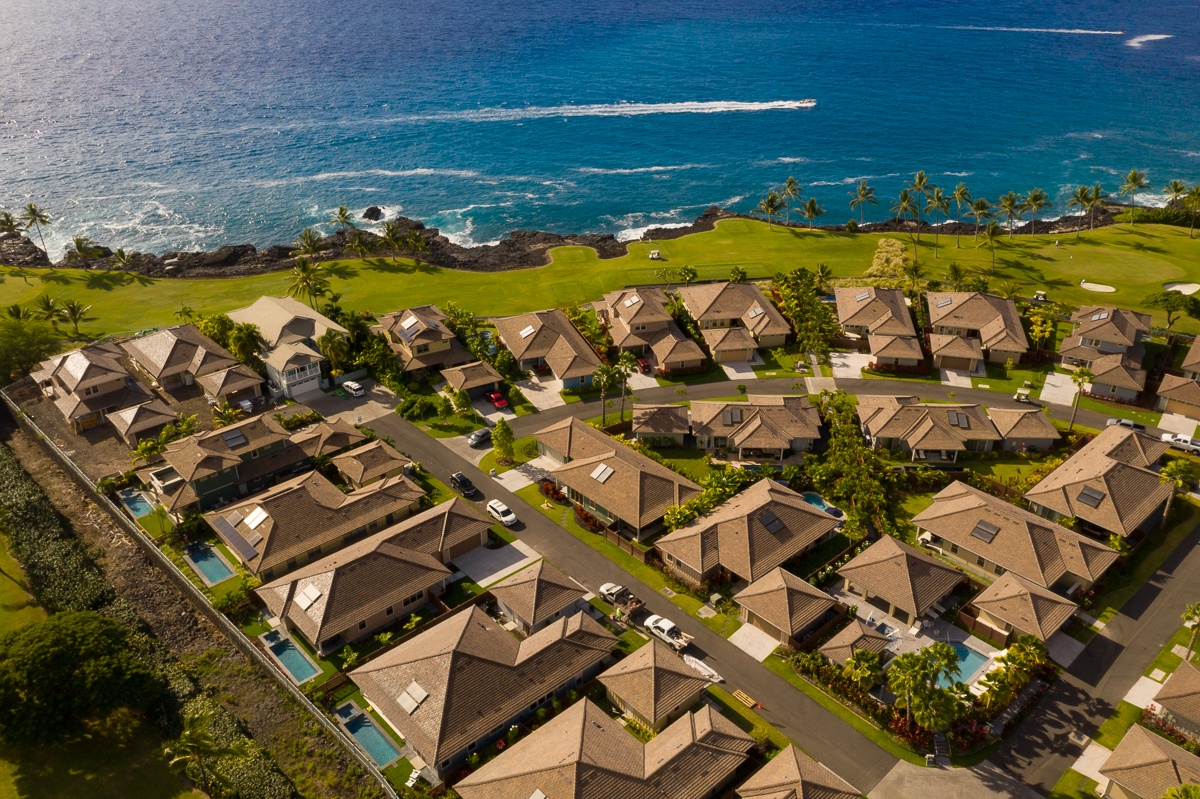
(135, 502)
(818, 502)
(969, 662)
(295, 662)
(372, 739)
(208, 563)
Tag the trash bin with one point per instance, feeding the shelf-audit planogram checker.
(931, 761)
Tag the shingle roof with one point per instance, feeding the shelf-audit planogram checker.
(1180, 694)
(791, 774)
(671, 345)
(1149, 765)
(1110, 325)
(1180, 389)
(1191, 361)
(895, 347)
(1025, 605)
(140, 418)
(638, 491)
(1122, 370)
(643, 305)
(1020, 541)
(428, 325)
(996, 319)
(229, 381)
(471, 375)
(925, 425)
(728, 339)
(177, 350)
(882, 311)
(955, 346)
(909, 579)
(735, 301)
(654, 681)
(660, 419)
(370, 461)
(327, 437)
(85, 367)
(751, 533)
(574, 438)
(854, 637)
(284, 320)
(209, 452)
(553, 338)
(1112, 470)
(1023, 423)
(537, 592)
(290, 355)
(309, 511)
(585, 754)
(475, 676)
(440, 528)
(785, 601)
(785, 418)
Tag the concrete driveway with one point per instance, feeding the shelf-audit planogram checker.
(1058, 389)
(460, 447)
(1177, 423)
(637, 380)
(742, 370)
(378, 401)
(957, 378)
(486, 566)
(849, 364)
(542, 393)
(526, 474)
(489, 412)
(754, 642)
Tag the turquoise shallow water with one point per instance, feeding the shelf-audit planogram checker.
(152, 124)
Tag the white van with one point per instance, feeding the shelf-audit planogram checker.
(353, 389)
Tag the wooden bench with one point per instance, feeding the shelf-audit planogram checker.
(744, 699)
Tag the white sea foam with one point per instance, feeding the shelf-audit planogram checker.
(853, 180)
(635, 233)
(502, 114)
(799, 159)
(958, 174)
(588, 170)
(1138, 41)
(387, 173)
(1001, 29)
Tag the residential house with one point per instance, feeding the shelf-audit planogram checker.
(305, 518)
(476, 378)
(1024, 429)
(895, 351)
(735, 319)
(88, 384)
(1178, 700)
(608, 479)
(992, 323)
(653, 685)
(1014, 606)
(1191, 363)
(231, 385)
(992, 536)
(351, 594)
(175, 357)
(586, 754)
(460, 685)
(327, 438)
(368, 464)
(747, 536)
(660, 425)
(899, 580)
(1108, 341)
(764, 428)
(1146, 765)
(881, 316)
(1111, 485)
(791, 774)
(639, 322)
(548, 340)
(931, 432)
(138, 422)
(445, 531)
(536, 596)
(1179, 395)
(421, 340)
(855, 637)
(786, 607)
(291, 330)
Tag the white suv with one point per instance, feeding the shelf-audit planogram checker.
(353, 389)
(500, 512)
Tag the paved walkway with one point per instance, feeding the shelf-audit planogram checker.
(849, 364)
(906, 781)
(542, 393)
(754, 642)
(486, 566)
(1090, 763)
(1142, 692)
(1058, 389)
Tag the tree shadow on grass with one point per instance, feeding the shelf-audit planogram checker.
(106, 281)
(342, 271)
(61, 278)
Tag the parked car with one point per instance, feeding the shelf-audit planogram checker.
(501, 513)
(480, 437)
(354, 389)
(1132, 425)
(620, 597)
(463, 485)
(1180, 441)
(668, 632)
(497, 399)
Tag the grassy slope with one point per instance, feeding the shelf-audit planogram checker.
(1135, 260)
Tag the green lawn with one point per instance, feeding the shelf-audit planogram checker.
(489, 460)
(691, 463)
(437, 491)
(451, 428)
(1115, 726)
(1168, 661)
(713, 374)
(745, 718)
(784, 366)
(1136, 260)
(1009, 466)
(1007, 381)
(461, 591)
(17, 605)
(1073, 785)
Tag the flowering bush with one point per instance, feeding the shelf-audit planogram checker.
(587, 521)
(1169, 731)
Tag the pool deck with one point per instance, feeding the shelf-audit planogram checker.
(233, 572)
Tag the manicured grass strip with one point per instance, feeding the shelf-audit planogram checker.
(453, 427)
(1115, 726)
(746, 719)
(503, 533)
(1073, 785)
(489, 460)
(1159, 544)
(17, 605)
(713, 374)
(1116, 409)
(1168, 661)
(864, 727)
(691, 463)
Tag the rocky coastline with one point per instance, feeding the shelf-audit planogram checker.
(522, 249)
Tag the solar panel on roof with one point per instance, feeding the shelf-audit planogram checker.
(255, 518)
(235, 517)
(416, 691)
(245, 550)
(527, 331)
(632, 301)
(866, 295)
(233, 438)
(601, 473)
(409, 322)
(770, 521)
(253, 537)
(985, 531)
(1091, 497)
(945, 302)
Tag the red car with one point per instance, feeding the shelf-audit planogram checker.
(497, 399)
(644, 365)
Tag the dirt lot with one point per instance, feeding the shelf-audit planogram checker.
(315, 762)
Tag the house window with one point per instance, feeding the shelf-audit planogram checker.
(91, 391)
(362, 625)
(421, 349)
(998, 569)
(414, 598)
(639, 327)
(314, 552)
(979, 560)
(954, 549)
(389, 611)
(1112, 389)
(291, 563)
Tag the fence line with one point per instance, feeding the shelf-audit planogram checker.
(197, 597)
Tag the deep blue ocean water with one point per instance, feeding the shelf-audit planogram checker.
(156, 124)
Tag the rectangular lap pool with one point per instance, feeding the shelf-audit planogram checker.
(288, 655)
(207, 562)
(969, 662)
(374, 741)
(135, 502)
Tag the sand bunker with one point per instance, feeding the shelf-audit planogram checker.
(1182, 288)
(1097, 287)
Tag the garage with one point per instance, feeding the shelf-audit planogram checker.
(956, 363)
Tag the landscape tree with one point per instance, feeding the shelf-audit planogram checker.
(33, 216)
(961, 196)
(1192, 204)
(1185, 790)
(990, 238)
(185, 313)
(502, 441)
(1176, 190)
(626, 365)
(1080, 377)
(604, 378)
(863, 195)
(937, 204)
(71, 668)
(906, 207)
(905, 677)
(800, 301)
(1042, 324)
(216, 326)
(1191, 616)
(308, 243)
(10, 225)
(981, 210)
(737, 274)
(246, 342)
(862, 668)
(920, 187)
(335, 347)
(197, 746)
(76, 312)
(47, 309)
(1099, 200)
(1134, 182)
(361, 244)
(824, 276)
(916, 280)
(812, 210)
(225, 414)
(393, 238)
(462, 402)
(790, 192)
(852, 474)
(956, 276)
(1035, 201)
(121, 260)
(1081, 198)
(342, 217)
(687, 274)
(1172, 303)
(18, 311)
(1180, 474)
(309, 281)
(24, 343)
(1010, 206)
(770, 206)
(82, 250)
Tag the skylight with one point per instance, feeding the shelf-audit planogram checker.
(527, 332)
(411, 697)
(1096, 317)
(731, 416)
(409, 322)
(601, 473)
(755, 312)
(960, 420)
(255, 518)
(770, 521)
(985, 531)
(632, 301)
(1091, 497)
(945, 302)
(306, 597)
(866, 295)
(235, 517)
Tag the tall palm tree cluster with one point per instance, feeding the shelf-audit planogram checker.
(782, 200)
(47, 309)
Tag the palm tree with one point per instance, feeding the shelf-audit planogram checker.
(393, 238)
(790, 191)
(47, 309)
(907, 675)
(626, 365)
(1035, 201)
(82, 249)
(824, 275)
(1099, 200)
(225, 414)
(1180, 474)
(185, 313)
(335, 347)
(1191, 617)
(308, 243)
(990, 237)
(121, 259)
(811, 210)
(915, 274)
(1185, 790)
(1010, 205)
(981, 209)
(308, 280)
(938, 709)
(342, 217)
(1080, 377)
(1135, 181)
(415, 242)
(35, 217)
(246, 342)
(920, 187)
(1007, 290)
(956, 276)
(146, 449)
(75, 312)
(906, 206)
(18, 312)
(862, 667)
(961, 196)
(937, 204)
(942, 661)
(1175, 190)
(863, 194)
(197, 744)
(1192, 203)
(999, 687)
(10, 225)
(1081, 198)
(604, 378)
(770, 206)
(361, 244)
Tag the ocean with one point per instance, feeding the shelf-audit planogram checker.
(155, 124)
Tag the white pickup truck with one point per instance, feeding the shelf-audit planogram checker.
(670, 634)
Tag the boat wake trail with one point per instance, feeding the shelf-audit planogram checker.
(1073, 31)
(501, 114)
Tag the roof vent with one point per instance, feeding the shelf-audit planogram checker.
(409, 322)
(601, 473)
(527, 332)
(1091, 497)
(985, 532)
(866, 295)
(945, 302)
(632, 301)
